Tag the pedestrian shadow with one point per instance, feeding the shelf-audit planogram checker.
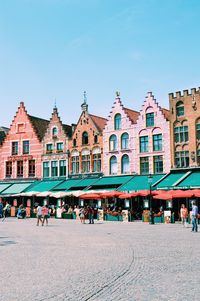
(7, 242)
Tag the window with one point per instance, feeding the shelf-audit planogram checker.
(198, 156)
(85, 163)
(95, 138)
(31, 168)
(113, 143)
(157, 142)
(149, 119)
(19, 169)
(144, 165)
(118, 122)
(85, 138)
(124, 141)
(14, 148)
(49, 148)
(198, 131)
(59, 147)
(54, 168)
(96, 162)
(158, 164)
(62, 168)
(25, 147)
(54, 131)
(180, 109)
(182, 159)
(45, 169)
(144, 144)
(181, 134)
(113, 165)
(125, 164)
(74, 142)
(8, 169)
(75, 164)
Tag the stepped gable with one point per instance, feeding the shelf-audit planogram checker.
(133, 115)
(40, 125)
(166, 113)
(99, 122)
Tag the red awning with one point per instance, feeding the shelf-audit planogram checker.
(163, 196)
(128, 195)
(110, 194)
(90, 196)
(146, 192)
(182, 194)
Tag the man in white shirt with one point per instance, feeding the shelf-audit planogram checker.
(39, 215)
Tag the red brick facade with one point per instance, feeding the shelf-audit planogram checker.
(185, 128)
(86, 146)
(20, 153)
(55, 148)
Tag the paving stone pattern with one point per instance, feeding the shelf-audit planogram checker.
(101, 262)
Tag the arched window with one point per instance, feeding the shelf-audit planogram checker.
(113, 165)
(180, 109)
(118, 121)
(125, 164)
(74, 142)
(113, 143)
(85, 138)
(124, 141)
(54, 131)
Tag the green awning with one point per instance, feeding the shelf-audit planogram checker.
(139, 183)
(4, 186)
(192, 181)
(42, 186)
(110, 182)
(16, 188)
(170, 180)
(84, 184)
(67, 184)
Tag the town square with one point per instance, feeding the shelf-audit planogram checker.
(99, 150)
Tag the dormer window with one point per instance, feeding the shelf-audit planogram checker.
(180, 109)
(54, 132)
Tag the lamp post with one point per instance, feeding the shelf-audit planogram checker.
(151, 217)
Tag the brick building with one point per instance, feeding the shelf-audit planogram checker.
(152, 132)
(56, 148)
(86, 146)
(21, 150)
(119, 140)
(185, 128)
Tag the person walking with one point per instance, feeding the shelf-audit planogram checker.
(1, 209)
(184, 215)
(194, 217)
(6, 211)
(91, 215)
(45, 215)
(82, 215)
(39, 215)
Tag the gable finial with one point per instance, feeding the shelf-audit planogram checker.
(84, 97)
(117, 94)
(55, 106)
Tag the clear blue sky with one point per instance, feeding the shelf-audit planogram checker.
(59, 48)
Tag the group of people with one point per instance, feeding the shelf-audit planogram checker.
(42, 213)
(4, 210)
(85, 212)
(194, 215)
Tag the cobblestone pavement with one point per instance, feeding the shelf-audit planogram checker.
(102, 262)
